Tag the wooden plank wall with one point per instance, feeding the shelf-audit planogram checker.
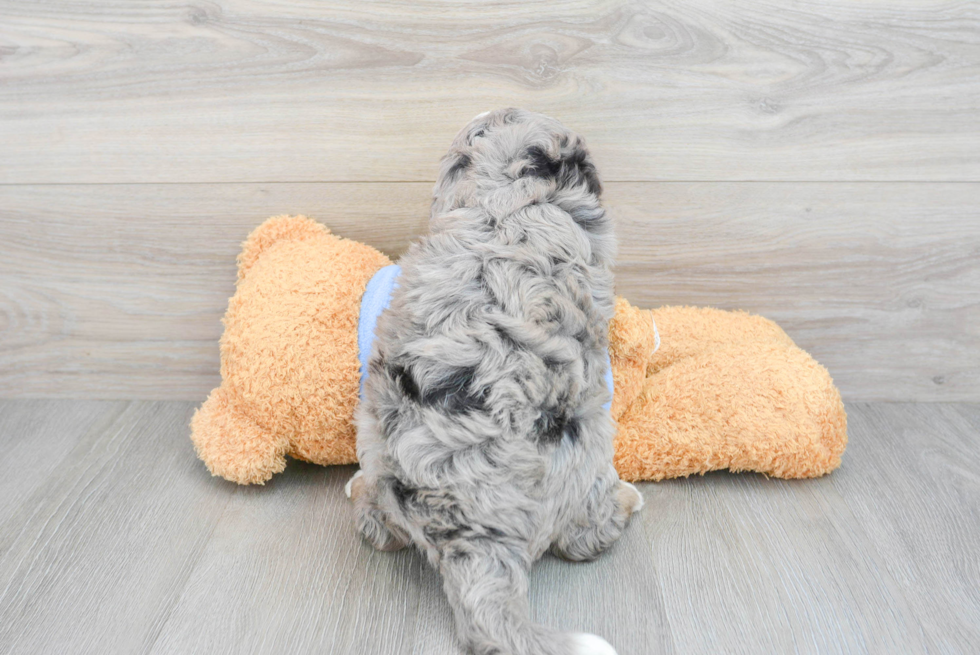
(816, 162)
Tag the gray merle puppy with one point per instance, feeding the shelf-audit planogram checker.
(484, 436)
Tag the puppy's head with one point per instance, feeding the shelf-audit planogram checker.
(515, 152)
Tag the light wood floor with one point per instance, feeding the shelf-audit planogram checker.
(114, 539)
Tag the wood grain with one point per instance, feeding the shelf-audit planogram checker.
(619, 596)
(879, 282)
(126, 285)
(923, 531)
(878, 557)
(771, 566)
(28, 461)
(293, 576)
(126, 544)
(117, 291)
(241, 90)
(95, 557)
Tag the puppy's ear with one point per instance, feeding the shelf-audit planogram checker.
(580, 169)
(458, 166)
(573, 168)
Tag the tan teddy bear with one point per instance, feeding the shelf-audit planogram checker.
(725, 390)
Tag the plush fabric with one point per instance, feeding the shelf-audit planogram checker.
(725, 390)
(289, 367)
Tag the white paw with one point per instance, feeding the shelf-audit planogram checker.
(639, 503)
(585, 644)
(351, 481)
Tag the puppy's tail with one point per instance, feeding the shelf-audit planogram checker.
(486, 582)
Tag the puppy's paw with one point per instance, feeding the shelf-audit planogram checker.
(585, 644)
(630, 497)
(349, 487)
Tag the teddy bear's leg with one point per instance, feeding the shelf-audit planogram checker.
(753, 405)
(371, 520)
(603, 519)
(234, 446)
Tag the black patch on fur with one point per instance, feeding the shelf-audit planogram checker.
(406, 382)
(404, 494)
(541, 165)
(454, 392)
(554, 424)
(461, 165)
(577, 169)
(572, 170)
(572, 429)
(550, 427)
(450, 527)
(438, 534)
(437, 513)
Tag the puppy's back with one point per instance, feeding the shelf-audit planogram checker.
(484, 411)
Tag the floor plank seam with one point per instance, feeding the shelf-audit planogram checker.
(198, 555)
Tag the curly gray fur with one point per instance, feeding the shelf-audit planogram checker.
(483, 436)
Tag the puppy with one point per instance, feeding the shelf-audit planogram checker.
(484, 436)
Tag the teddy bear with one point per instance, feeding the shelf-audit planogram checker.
(693, 389)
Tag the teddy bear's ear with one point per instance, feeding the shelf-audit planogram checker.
(277, 228)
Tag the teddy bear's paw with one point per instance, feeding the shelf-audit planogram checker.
(584, 643)
(234, 446)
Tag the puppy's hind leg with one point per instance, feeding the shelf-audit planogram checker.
(372, 522)
(486, 582)
(601, 521)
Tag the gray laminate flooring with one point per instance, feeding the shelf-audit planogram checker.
(114, 539)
